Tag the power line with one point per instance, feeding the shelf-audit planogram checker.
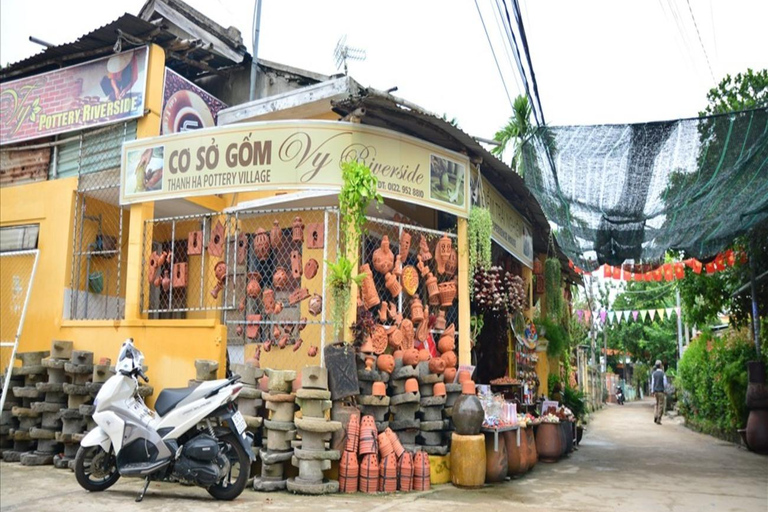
(504, 82)
(700, 41)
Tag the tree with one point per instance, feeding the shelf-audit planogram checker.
(515, 132)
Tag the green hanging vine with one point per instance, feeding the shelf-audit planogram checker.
(554, 295)
(479, 230)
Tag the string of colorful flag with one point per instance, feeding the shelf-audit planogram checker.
(625, 315)
(670, 271)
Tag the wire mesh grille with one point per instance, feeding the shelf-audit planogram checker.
(15, 283)
(98, 261)
(437, 286)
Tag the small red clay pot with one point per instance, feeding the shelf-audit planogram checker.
(379, 389)
(405, 470)
(369, 474)
(464, 376)
(421, 473)
(411, 386)
(388, 474)
(349, 472)
(438, 389)
(468, 387)
(449, 375)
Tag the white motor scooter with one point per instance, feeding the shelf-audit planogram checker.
(197, 436)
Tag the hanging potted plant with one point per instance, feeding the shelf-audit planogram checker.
(479, 230)
(359, 188)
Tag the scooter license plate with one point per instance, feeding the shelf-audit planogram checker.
(239, 421)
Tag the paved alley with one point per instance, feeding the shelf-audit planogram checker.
(625, 462)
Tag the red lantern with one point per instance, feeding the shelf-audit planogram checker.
(679, 270)
(710, 267)
(730, 257)
(606, 271)
(616, 272)
(668, 272)
(697, 266)
(657, 275)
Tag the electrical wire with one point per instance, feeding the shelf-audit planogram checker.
(696, 25)
(503, 81)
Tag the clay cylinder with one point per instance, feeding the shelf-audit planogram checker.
(433, 290)
(468, 461)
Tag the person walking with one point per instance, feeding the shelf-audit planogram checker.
(658, 385)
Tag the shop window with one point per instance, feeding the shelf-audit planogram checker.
(99, 245)
(19, 238)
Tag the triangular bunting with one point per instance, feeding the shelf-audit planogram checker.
(626, 315)
(643, 314)
(611, 315)
(669, 312)
(660, 311)
(634, 315)
(652, 312)
(602, 316)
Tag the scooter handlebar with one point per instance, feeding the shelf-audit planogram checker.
(143, 376)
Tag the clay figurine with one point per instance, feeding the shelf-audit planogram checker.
(422, 333)
(450, 359)
(268, 298)
(432, 290)
(405, 244)
(310, 268)
(447, 341)
(449, 375)
(253, 288)
(280, 278)
(216, 243)
(410, 280)
(180, 275)
(447, 291)
(436, 365)
(315, 305)
(383, 312)
(296, 269)
(424, 252)
(443, 253)
(276, 235)
(297, 344)
(166, 281)
(383, 257)
(392, 285)
(195, 243)
(423, 268)
(261, 244)
(396, 338)
(312, 351)
(220, 271)
(385, 363)
(440, 320)
(368, 287)
(417, 311)
(409, 333)
(297, 230)
(242, 248)
(278, 308)
(398, 270)
(379, 339)
(452, 265)
(411, 356)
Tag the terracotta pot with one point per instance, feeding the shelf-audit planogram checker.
(252, 327)
(383, 257)
(468, 412)
(405, 243)
(549, 442)
(253, 288)
(417, 311)
(411, 386)
(166, 281)
(397, 446)
(410, 280)
(369, 474)
(449, 375)
(195, 243)
(392, 284)
(388, 474)
(216, 243)
(385, 363)
(353, 433)
(516, 455)
(297, 230)
(436, 365)
(424, 252)
(442, 253)
(440, 320)
(421, 472)
(242, 248)
(261, 245)
(379, 339)
(276, 235)
(368, 436)
(447, 292)
(433, 290)
(410, 357)
(280, 279)
(370, 360)
(310, 268)
(409, 333)
(315, 305)
(349, 472)
(424, 355)
(447, 340)
(756, 434)
(405, 472)
(370, 294)
(367, 346)
(533, 454)
(438, 389)
(450, 359)
(464, 376)
(385, 446)
(495, 460)
(757, 392)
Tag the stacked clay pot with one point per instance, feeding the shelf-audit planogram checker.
(349, 468)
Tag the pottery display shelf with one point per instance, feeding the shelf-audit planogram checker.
(433, 427)
(495, 432)
(29, 420)
(279, 431)
(404, 404)
(249, 401)
(376, 406)
(311, 453)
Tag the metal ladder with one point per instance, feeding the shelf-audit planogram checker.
(15, 342)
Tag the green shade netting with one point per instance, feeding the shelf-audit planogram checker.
(628, 193)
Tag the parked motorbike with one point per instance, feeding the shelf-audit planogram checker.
(195, 436)
(619, 396)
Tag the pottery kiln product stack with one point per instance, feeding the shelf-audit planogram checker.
(55, 399)
(368, 375)
(205, 369)
(311, 454)
(249, 400)
(34, 373)
(349, 468)
(79, 371)
(431, 436)
(404, 406)
(279, 431)
(8, 422)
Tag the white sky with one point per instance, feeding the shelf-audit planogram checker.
(596, 61)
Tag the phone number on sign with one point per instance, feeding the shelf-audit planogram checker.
(398, 189)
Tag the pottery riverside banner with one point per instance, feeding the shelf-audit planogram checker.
(186, 106)
(94, 93)
(281, 155)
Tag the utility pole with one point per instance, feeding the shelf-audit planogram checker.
(679, 326)
(255, 61)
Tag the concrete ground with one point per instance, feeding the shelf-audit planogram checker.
(625, 462)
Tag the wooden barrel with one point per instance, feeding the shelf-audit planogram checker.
(467, 460)
(495, 461)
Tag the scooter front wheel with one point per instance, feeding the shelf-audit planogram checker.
(95, 469)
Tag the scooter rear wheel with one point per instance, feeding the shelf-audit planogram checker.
(240, 468)
(95, 469)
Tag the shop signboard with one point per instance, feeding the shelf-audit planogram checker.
(282, 155)
(186, 106)
(510, 229)
(95, 93)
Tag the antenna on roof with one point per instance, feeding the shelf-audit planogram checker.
(343, 53)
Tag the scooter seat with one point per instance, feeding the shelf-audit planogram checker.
(170, 398)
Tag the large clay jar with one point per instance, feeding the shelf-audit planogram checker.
(405, 244)
(533, 455)
(495, 460)
(516, 455)
(409, 333)
(549, 442)
(424, 252)
(447, 341)
(421, 472)
(349, 470)
(757, 401)
(468, 412)
(276, 235)
(383, 257)
(433, 290)
(442, 253)
(392, 284)
(417, 310)
(447, 292)
(261, 245)
(370, 295)
(436, 365)
(297, 230)
(385, 363)
(280, 279)
(253, 288)
(410, 357)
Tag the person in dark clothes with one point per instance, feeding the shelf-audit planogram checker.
(658, 385)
